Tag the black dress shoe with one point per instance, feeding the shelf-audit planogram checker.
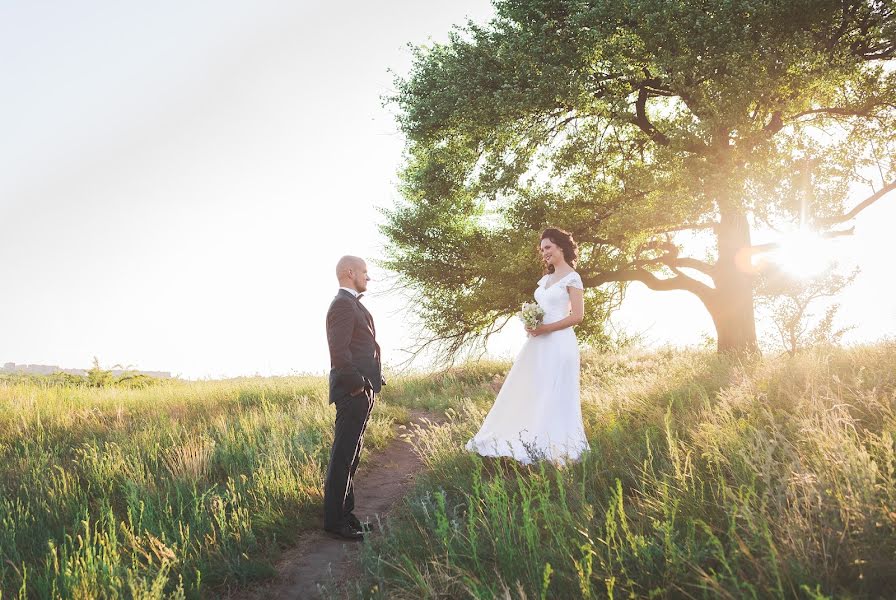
(352, 520)
(346, 532)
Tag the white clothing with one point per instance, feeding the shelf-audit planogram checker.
(537, 414)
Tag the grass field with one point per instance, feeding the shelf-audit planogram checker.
(708, 478)
(176, 489)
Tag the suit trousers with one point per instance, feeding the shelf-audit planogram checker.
(352, 414)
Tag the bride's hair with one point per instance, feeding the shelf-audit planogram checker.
(563, 240)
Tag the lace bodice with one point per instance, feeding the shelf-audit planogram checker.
(554, 300)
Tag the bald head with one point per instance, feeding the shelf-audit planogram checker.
(348, 262)
(351, 271)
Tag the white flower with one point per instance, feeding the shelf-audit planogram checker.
(531, 315)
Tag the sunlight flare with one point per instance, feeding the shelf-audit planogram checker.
(803, 253)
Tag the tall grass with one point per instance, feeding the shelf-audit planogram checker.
(175, 490)
(707, 478)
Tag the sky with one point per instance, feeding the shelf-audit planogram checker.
(177, 181)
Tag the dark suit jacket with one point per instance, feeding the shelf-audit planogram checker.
(354, 353)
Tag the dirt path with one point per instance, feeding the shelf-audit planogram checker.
(317, 559)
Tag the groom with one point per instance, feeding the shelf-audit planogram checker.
(355, 380)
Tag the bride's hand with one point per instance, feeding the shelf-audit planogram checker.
(537, 331)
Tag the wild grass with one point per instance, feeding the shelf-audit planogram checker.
(179, 489)
(708, 477)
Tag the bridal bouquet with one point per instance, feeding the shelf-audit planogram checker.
(531, 315)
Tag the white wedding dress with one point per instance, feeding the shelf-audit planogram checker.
(537, 414)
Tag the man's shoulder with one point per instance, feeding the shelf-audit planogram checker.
(341, 301)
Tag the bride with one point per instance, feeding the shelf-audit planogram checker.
(537, 413)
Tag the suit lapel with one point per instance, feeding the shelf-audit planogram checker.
(368, 316)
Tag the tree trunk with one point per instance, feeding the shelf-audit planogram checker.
(732, 307)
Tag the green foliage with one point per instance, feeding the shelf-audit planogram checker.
(55, 379)
(708, 477)
(627, 122)
(96, 377)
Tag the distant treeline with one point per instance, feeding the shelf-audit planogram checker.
(96, 377)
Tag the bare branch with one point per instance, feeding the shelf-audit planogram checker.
(860, 206)
(763, 248)
(679, 282)
(640, 119)
(693, 263)
(839, 111)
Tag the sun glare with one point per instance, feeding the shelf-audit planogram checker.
(803, 253)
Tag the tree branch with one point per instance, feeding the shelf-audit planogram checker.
(679, 282)
(775, 124)
(763, 248)
(671, 259)
(840, 111)
(879, 52)
(640, 119)
(646, 90)
(693, 263)
(860, 206)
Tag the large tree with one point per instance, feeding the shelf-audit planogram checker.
(633, 123)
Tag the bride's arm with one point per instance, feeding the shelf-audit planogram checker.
(576, 314)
